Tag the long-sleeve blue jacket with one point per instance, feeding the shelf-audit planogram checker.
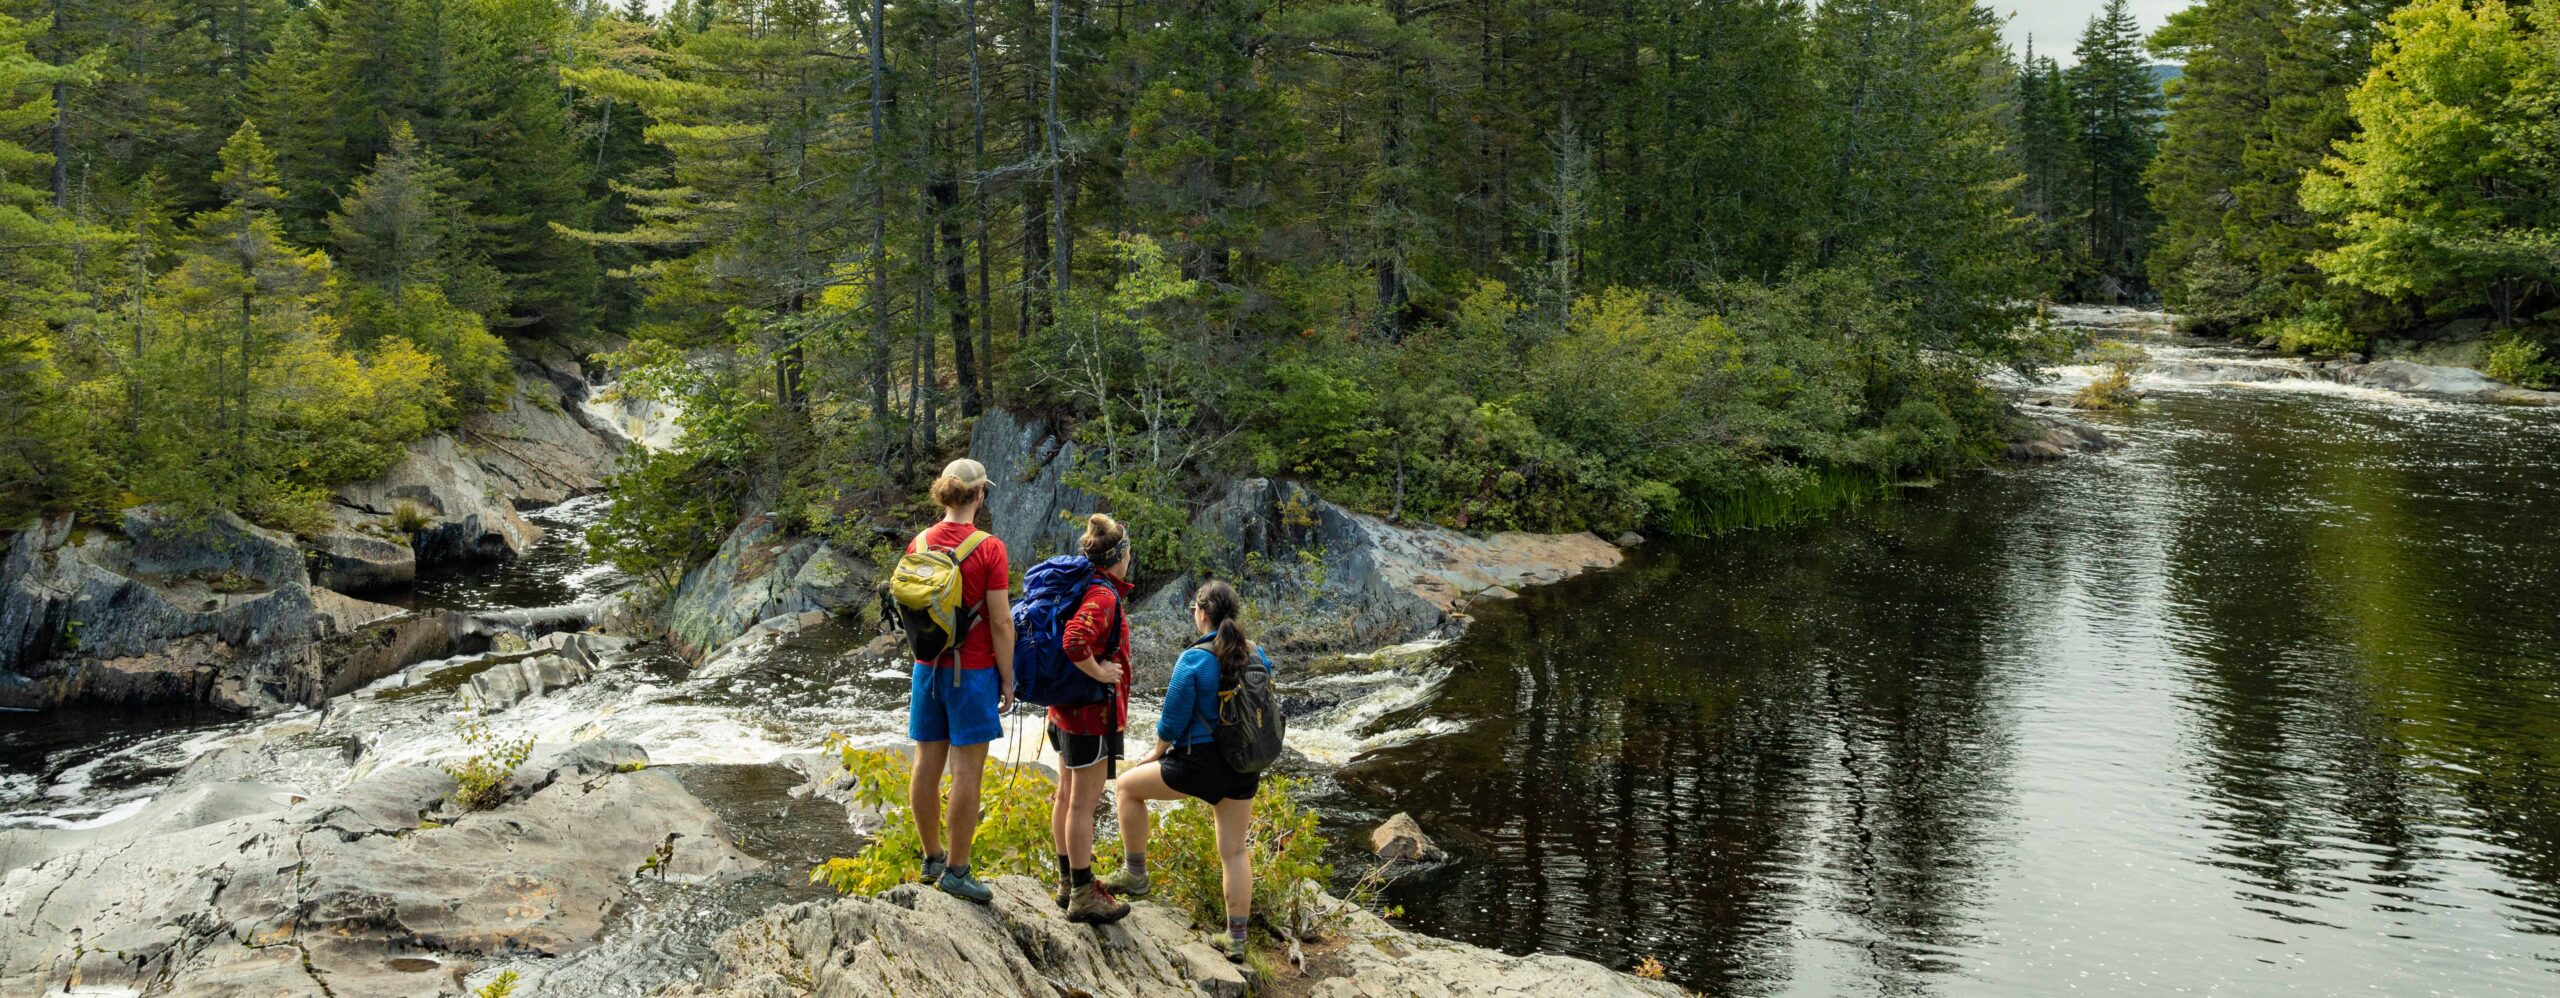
(1191, 700)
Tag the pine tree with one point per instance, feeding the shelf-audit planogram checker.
(2047, 139)
(2118, 109)
(1919, 183)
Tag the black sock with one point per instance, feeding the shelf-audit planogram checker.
(1064, 869)
(1082, 875)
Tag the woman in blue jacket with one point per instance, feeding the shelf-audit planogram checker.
(1186, 763)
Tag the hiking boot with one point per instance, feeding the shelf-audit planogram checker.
(1066, 894)
(933, 869)
(959, 883)
(1126, 884)
(1094, 905)
(1234, 948)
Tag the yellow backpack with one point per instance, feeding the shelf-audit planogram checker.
(925, 590)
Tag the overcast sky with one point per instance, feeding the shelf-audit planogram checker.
(2056, 24)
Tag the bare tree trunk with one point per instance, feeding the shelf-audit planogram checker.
(1054, 141)
(879, 225)
(61, 118)
(985, 389)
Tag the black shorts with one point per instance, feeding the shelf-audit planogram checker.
(1198, 771)
(1079, 751)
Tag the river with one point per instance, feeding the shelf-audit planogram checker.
(2265, 701)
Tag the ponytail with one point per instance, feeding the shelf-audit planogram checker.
(1228, 642)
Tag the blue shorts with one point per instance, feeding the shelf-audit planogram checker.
(938, 711)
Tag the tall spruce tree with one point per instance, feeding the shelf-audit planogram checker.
(2117, 107)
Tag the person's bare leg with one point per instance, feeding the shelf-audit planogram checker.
(1137, 787)
(1084, 798)
(924, 794)
(1235, 828)
(1059, 810)
(968, 769)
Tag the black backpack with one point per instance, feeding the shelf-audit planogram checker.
(1249, 729)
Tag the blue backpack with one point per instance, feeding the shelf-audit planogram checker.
(1051, 591)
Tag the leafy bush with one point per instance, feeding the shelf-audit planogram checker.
(2316, 328)
(407, 518)
(476, 368)
(2113, 387)
(2521, 361)
(501, 986)
(1013, 827)
(480, 778)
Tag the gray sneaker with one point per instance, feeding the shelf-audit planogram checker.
(1124, 883)
(958, 883)
(933, 869)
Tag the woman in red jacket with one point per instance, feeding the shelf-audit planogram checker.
(1087, 737)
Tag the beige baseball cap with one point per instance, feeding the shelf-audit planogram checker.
(970, 473)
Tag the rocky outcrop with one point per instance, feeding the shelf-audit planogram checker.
(1325, 579)
(1030, 506)
(169, 608)
(2409, 376)
(917, 943)
(456, 496)
(373, 890)
(760, 574)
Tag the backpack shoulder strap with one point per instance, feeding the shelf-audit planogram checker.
(969, 544)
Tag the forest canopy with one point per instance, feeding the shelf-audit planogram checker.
(1495, 263)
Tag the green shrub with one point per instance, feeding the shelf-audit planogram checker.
(2318, 328)
(408, 519)
(2113, 387)
(1013, 827)
(2521, 361)
(480, 778)
(501, 986)
(1286, 855)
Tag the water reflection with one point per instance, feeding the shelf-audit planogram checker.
(2267, 701)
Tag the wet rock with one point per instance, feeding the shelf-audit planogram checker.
(923, 944)
(353, 562)
(2408, 376)
(360, 888)
(169, 608)
(1629, 539)
(513, 681)
(759, 574)
(1400, 840)
(2044, 436)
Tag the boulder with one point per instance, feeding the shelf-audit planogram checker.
(2046, 436)
(512, 681)
(759, 574)
(372, 890)
(918, 943)
(1400, 840)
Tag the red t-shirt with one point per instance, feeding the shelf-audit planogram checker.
(1088, 635)
(984, 572)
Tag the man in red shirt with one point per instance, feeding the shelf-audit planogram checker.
(955, 704)
(1087, 736)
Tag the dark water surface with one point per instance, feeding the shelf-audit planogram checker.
(2268, 702)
